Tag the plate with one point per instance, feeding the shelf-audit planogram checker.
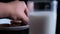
(15, 28)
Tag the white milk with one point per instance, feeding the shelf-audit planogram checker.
(48, 27)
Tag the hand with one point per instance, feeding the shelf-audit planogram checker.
(14, 10)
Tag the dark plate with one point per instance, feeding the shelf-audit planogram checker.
(15, 27)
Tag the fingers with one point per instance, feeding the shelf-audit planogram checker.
(14, 16)
(26, 11)
(25, 15)
(24, 18)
